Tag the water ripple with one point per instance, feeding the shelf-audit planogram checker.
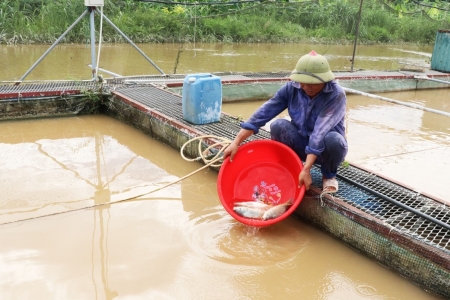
(219, 236)
(366, 290)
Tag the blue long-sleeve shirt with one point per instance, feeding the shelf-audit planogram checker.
(314, 118)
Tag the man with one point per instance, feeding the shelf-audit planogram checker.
(316, 105)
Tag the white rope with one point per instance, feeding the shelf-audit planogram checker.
(209, 162)
(222, 142)
(322, 194)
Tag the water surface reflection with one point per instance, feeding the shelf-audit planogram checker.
(177, 243)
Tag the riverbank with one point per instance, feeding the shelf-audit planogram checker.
(326, 22)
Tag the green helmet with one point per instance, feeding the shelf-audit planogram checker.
(312, 68)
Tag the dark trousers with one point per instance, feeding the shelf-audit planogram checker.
(336, 148)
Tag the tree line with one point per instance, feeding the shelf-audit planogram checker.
(246, 21)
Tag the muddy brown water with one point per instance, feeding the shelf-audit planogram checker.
(70, 62)
(179, 243)
(176, 243)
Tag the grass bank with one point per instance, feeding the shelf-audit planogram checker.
(43, 21)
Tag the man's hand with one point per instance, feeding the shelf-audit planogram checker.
(304, 179)
(305, 175)
(231, 151)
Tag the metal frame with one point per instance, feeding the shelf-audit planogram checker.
(91, 10)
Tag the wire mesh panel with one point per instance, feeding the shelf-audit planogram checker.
(48, 87)
(30, 91)
(408, 222)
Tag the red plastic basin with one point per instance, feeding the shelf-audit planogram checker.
(263, 170)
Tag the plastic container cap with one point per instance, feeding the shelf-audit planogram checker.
(262, 171)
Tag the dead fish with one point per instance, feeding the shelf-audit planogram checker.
(249, 212)
(253, 204)
(276, 211)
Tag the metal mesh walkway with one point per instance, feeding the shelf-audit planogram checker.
(391, 214)
(45, 89)
(32, 89)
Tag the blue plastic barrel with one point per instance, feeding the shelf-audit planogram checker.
(440, 60)
(202, 98)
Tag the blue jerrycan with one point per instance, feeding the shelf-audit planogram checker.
(202, 98)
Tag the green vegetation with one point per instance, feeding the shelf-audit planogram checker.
(92, 101)
(324, 21)
(345, 164)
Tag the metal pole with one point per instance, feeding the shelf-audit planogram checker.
(431, 79)
(404, 206)
(131, 42)
(92, 27)
(356, 34)
(53, 46)
(440, 112)
(108, 72)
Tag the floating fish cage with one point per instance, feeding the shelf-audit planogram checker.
(361, 214)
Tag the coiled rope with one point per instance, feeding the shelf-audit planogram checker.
(208, 159)
(212, 156)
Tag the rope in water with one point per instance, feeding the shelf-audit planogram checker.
(213, 160)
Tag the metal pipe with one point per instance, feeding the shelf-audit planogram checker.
(100, 38)
(431, 79)
(131, 42)
(92, 27)
(395, 202)
(107, 72)
(356, 34)
(412, 105)
(53, 46)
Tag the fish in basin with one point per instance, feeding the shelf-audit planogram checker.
(276, 211)
(250, 212)
(253, 204)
